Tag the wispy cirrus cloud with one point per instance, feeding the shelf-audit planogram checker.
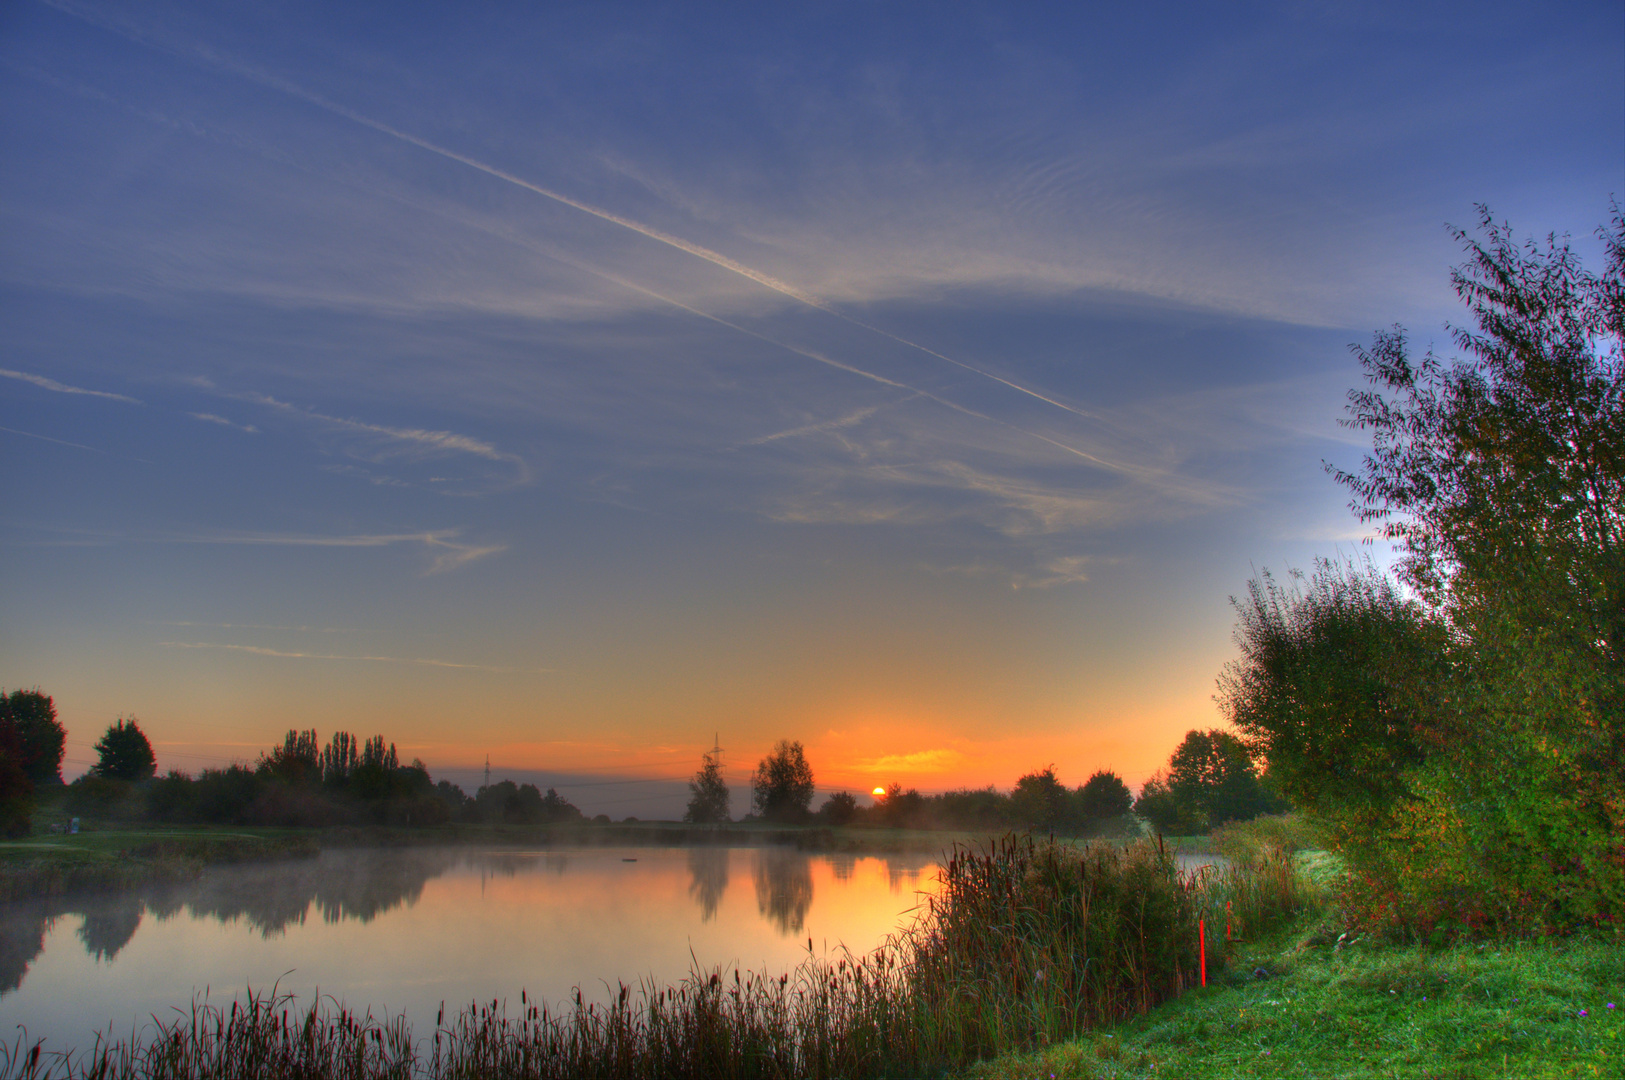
(63, 388)
(446, 550)
(211, 418)
(287, 654)
(378, 443)
(940, 759)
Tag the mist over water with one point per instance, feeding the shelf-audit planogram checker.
(403, 931)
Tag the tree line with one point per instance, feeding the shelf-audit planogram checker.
(1211, 780)
(301, 782)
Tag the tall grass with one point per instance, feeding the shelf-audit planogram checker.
(1024, 944)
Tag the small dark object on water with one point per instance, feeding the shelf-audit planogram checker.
(629, 860)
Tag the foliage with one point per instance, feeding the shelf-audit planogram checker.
(1267, 836)
(839, 809)
(508, 803)
(43, 737)
(1333, 685)
(16, 789)
(1104, 796)
(782, 788)
(1040, 800)
(124, 753)
(1210, 780)
(708, 794)
(1502, 479)
(301, 782)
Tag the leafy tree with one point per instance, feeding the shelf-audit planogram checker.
(1501, 477)
(124, 753)
(1039, 799)
(782, 788)
(1333, 686)
(708, 793)
(1171, 812)
(1210, 780)
(41, 737)
(1104, 796)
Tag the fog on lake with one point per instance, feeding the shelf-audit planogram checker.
(403, 931)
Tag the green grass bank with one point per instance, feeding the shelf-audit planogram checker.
(1536, 1008)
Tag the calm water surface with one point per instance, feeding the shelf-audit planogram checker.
(402, 931)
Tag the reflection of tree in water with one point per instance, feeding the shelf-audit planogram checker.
(22, 938)
(784, 888)
(358, 884)
(901, 869)
(110, 923)
(708, 878)
(841, 864)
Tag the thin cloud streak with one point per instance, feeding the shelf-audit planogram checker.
(258, 650)
(275, 82)
(449, 553)
(63, 388)
(211, 418)
(422, 438)
(47, 438)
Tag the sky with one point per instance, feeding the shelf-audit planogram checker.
(576, 386)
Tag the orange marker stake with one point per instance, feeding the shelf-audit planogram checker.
(1201, 936)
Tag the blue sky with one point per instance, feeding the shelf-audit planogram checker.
(572, 385)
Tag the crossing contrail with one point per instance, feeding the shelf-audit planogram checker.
(716, 258)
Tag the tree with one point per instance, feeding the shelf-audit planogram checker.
(1171, 812)
(1104, 796)
(41, 738)
(708, 793)
(1334, 684)
(124, 753)
(839, 809)
(16, 789)
(1501, 478)
(1039, 799)
(1210, 780)
(297, 761)
(782, 788)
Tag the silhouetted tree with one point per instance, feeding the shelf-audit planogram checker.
(782, 789)
(1039, 799)
(839, 809)
(708, 794)
(124, 753)
(1104, 796)
(16, 790)
(297, 761)
(42, 737)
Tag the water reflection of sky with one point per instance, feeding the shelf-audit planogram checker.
(406, 930)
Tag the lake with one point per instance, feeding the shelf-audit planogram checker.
(405, 930)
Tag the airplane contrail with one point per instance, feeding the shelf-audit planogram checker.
(716, 258)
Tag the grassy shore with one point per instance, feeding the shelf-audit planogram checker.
(1298, 1005)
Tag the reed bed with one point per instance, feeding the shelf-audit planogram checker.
(1026, 943)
